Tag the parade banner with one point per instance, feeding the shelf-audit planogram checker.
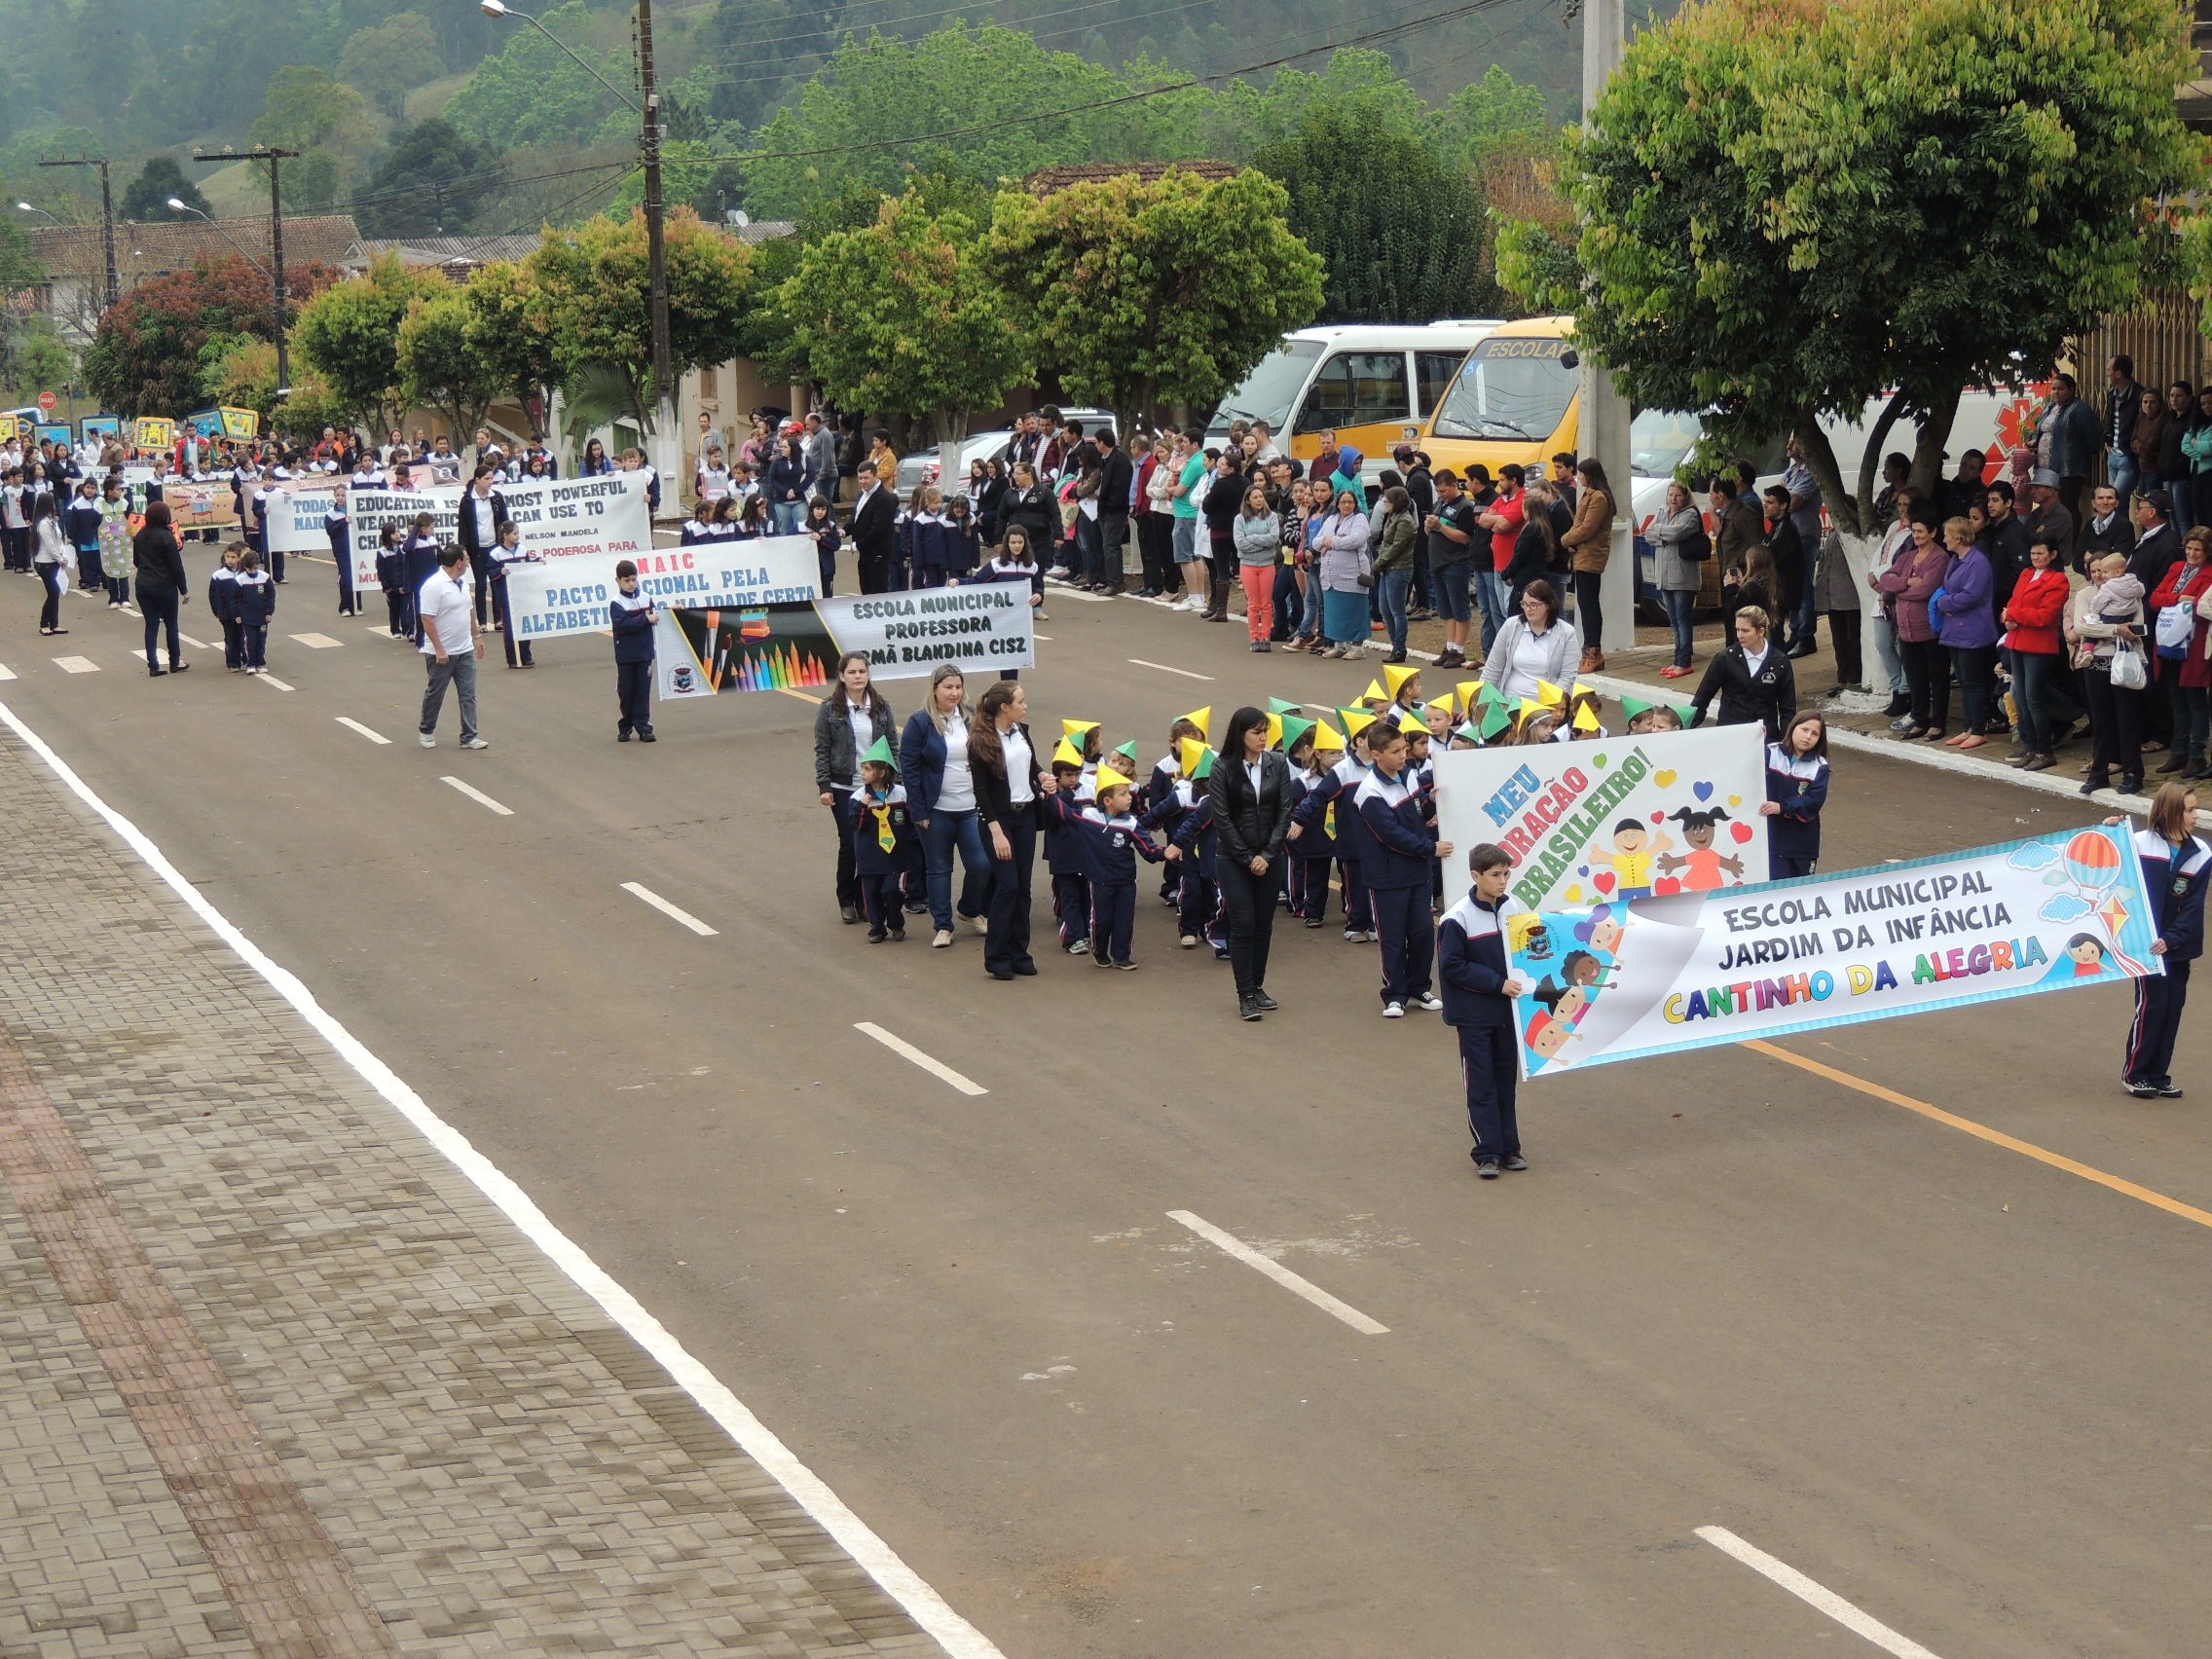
(370, 510)
(1616, 818)
(297, 508)
(240, 422)
(569, 593)
(53, 432)
(11, 429)
(582, 518)
(137, 483)
(154, 432)
(102, 426)
(1623, 981)
(199, 505)
(208, 423)
(981, 629)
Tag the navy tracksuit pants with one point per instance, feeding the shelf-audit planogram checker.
(633, 695)
(1491, 1073)
(1112, 919)
(1071, 908)
(1407, 934)
(2158, 1001)
(1359, 914)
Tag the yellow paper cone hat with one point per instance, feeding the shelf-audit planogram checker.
(1187, 753)
(1549, 695)
(1072, 730)
(1374, 692)
(1396, 677)
(1410, 723)
(1582, 691)
(1356, 720)
(1109, 779)
(1202, 719)
(1327, 737)
(1530, 706)
(1274, 731)
(1585, 717)
(1067, 754)
(1468, 691)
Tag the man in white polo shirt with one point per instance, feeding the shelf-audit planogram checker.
(449, 641)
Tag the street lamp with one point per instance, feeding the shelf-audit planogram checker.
(177, 204)
(656, 247)
(26, 208)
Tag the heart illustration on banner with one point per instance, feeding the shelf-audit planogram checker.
(1666, 779)
(1601, 760)
(1604, 880)
(1742, 831)
(1735, 801)
(1702, 791)
(1667, 886)
(1658, 818)
(1573, 893)
(1581, 870)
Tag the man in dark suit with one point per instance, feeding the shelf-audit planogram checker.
(1115, 472)
(482, 512)
(875, 530)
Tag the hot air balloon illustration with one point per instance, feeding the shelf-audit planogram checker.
(2092, 859)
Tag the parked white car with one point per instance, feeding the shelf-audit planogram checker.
(921, 467)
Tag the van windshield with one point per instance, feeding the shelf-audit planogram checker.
(1660, 440)
(1270, 389)
(1510, 388)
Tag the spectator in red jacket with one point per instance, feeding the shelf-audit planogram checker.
(2032, 620)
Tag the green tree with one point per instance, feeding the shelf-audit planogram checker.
(38, 359)
(430, 183)
(753, 49)
(349, 336)
(902, 316)
(534, 92)
(1783, 214)
(330, 125)
(1485, 117)
(147, 197)
(145, 360)
(592, 304)
(1144, 295)
(391, 60)
(508, 333)
(439, 365)
(1401, 232)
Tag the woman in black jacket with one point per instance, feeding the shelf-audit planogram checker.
(1753, 679)
(1029, 504)
(1250, 794)
(1008, 775)
(847, 723)
(159, 565)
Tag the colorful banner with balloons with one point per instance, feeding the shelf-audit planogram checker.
(1657, 814)
(1624, 982)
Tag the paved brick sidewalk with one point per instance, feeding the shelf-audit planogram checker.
(274, 1379)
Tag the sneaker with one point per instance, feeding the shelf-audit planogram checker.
(1428, 1001)
(848, 913)
(1189, 941)
(1127, 966)
(1268, 1004)
(898, 935)
(476, 743)
(647, 737)
(2169, 1091)
(428, 741)
(876, 935)
(1247, 1009)
(1394, 1011)
(1080, 948)
(1315, 922)
(2039, 762)
(2142, 1090)
(1355, 935)
(943, 939)
(979, 924)
(1515, 1162)
(1487, 1169)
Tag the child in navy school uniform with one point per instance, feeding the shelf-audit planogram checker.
(338, 524)
(885, 847)
(822, 525)
(223, 605)
(631, 617)
(1796, 789)
(255, 602)
(1159, 792)
(392, 577)
(1186, 816)
(1475, 964)
(1112, 840)
(1297, 750)
(1402, 844)
(1067, 862)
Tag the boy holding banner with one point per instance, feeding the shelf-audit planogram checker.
(1479, 988)
(631, 617)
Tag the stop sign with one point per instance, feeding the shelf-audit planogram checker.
(47, 400)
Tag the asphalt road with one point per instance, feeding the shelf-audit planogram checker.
(1961, 1388)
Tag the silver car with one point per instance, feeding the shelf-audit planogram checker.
(921, 467)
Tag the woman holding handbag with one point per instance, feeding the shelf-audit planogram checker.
(2179, 662)
(2107, 628)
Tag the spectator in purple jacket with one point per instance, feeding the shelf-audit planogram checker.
(1969, 629)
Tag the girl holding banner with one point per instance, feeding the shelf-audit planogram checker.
(2176, 870)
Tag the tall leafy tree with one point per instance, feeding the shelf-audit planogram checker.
(1401, 231)
(145, 360)
(1147, 295)
(439, 364)
(390, 60)
(509, 332)
(591, 300)
(147, 197)
(902, 316)
(1782, 214)
(533, 92)
(430, 183)
(349, 336)
(751, 49)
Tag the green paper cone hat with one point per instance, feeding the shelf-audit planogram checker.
(880, 753)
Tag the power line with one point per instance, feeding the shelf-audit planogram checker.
(1368, 37)
(884, 25)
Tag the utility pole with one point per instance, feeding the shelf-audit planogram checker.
(107, 219)
(657, 259)
(1606, 415)
(275, 156)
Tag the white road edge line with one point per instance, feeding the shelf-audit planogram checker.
(1815, 1596)
(268, 678)
(665, 907)
(1164, 669)
(356, 725)
(1235, 1246)
(6, 673)
(907, 1050)
(478, 796)
(959, 1638)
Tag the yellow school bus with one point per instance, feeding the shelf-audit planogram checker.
(1517, 398)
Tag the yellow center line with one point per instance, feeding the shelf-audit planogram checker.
(795, 691)
(1982, 1131)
